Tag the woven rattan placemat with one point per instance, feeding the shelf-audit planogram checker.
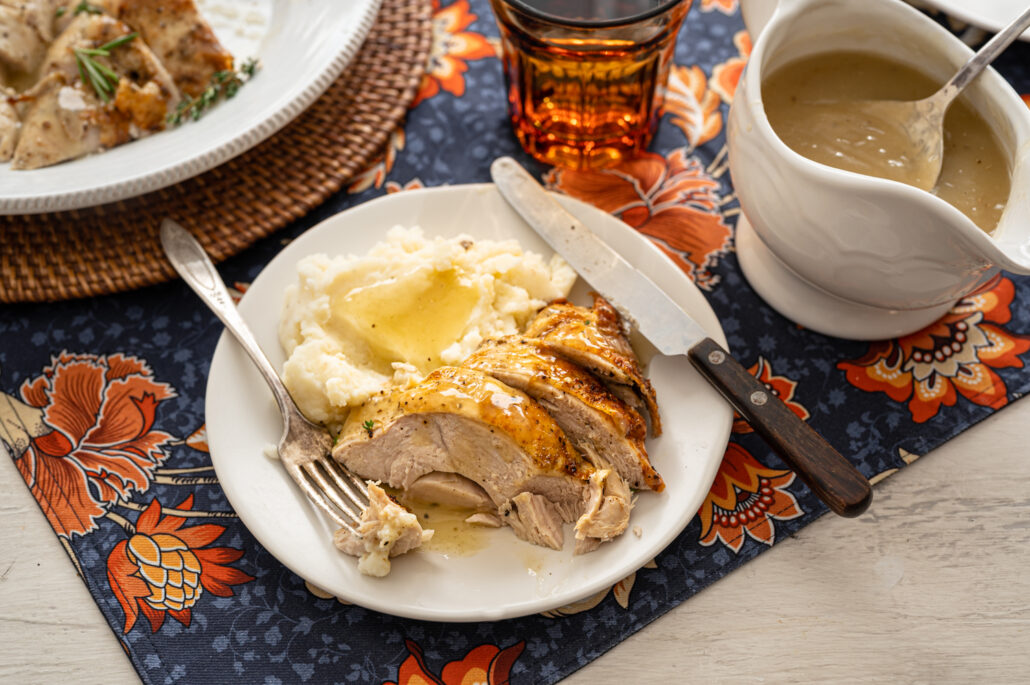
(115, 247)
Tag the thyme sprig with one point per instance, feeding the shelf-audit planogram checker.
(101, 77)
(224, 85)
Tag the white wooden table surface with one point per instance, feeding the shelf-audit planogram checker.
(931, 585)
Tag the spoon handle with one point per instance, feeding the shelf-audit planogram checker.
(984, 56)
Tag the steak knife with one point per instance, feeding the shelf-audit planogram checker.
(673, 332)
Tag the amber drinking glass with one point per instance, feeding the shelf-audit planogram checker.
(585, 77)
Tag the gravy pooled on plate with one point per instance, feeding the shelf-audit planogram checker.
(811, 105)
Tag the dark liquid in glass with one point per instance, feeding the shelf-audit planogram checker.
(585, 93)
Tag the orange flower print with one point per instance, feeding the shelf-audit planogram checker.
(101, 444)
(413, 184)
(954, 356)
(780, 386)
(746, 498)
(484, 665)
(165, 567)
(374, 175)
(198, 439)
(452, 47)
(673, 200)
(237, 290)
(724, 6)
(694, 108)
(726, 75)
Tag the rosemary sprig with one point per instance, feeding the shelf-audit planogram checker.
(102, 78)
(224, 84)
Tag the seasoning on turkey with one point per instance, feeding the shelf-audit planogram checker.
(594, 339)
(76, 97)
(65, 118)
(461, 421)
(602, 427)
(179, 36)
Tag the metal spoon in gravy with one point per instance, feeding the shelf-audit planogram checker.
(914, 131)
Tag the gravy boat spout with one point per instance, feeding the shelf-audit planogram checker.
(857, 256)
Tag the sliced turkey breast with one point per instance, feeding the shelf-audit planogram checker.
(594, 339)
(178, 35)
(602, 427)
(535, 519)
(606, 512)
(464, 422)
(57, 127)
(451, 490)
(457, 492)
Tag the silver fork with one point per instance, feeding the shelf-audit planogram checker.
(304, 447)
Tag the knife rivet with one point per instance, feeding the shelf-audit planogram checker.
(716, 357)
(758, 398)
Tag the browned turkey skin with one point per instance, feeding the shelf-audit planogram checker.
(594, 339)
(523, 433)
(602, 427)
(461, 421)
(178, 35)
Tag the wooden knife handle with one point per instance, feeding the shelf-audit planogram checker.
(832, 477)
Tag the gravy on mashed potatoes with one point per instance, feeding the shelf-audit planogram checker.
(351, 325)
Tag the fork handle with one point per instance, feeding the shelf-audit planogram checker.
(192, 263)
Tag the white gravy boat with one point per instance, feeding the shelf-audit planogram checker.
(856, 256)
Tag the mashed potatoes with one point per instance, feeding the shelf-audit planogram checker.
(351, 325)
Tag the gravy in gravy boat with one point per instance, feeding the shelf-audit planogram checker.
(814, 105)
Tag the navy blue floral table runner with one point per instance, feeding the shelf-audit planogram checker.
(102, 406)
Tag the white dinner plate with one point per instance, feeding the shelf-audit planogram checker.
(991, 15)
(508, 577)
(303, 46)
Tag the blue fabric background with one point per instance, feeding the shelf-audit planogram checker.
(273, 629)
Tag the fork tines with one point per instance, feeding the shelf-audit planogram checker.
(336, 490)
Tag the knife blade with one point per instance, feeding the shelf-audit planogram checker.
(673, 332)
